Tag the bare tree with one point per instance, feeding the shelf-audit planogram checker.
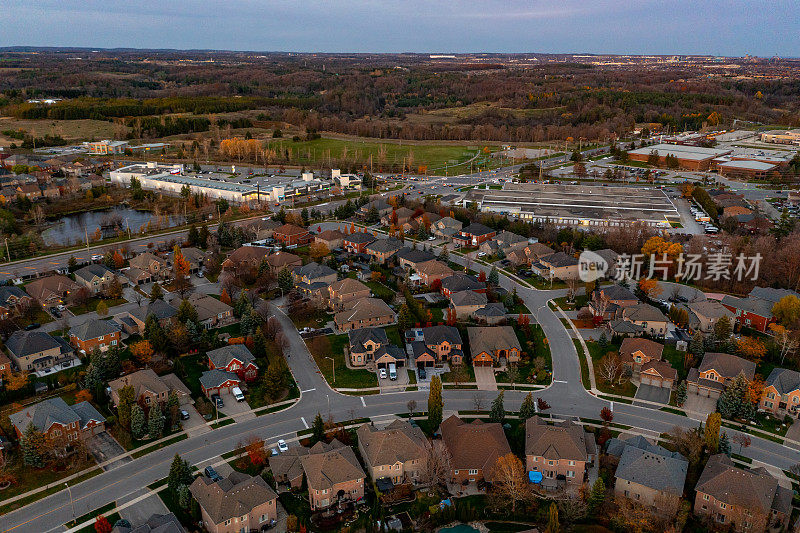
(610, 367)
(477, 401)
(513, 374)
(571, 510)
(412, 406)
(510, 481)
(436, 465)
(688, 442)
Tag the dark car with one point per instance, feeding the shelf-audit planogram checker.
(212, 474)
(184, 415)
(422, 373)
(217, 400)
(35, 325)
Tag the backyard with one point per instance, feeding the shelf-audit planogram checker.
(328, 352)
(623, 386)
(92, 303)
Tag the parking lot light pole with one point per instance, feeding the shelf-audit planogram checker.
(333, 366)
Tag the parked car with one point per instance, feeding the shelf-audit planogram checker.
(217, 400)
(212, 474)
(184, 414)
(382, 373)
(237, 393)
(29, 327)
(422, 373)
(282, 446)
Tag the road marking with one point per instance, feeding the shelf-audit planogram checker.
(308, 390)
(559, 381)
(303, 420)
(362, 401)
(612, 406)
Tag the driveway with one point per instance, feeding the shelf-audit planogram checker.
(651, 393)
(700, 404)
(238, 410)
(484, 377)
(389, 385)
(196, 424)
(104, 447)
(139, 512)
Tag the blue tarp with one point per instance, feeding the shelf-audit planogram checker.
(535, 477)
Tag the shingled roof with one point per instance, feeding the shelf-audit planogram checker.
(221, 357)
(328, 465)
(659, 472)
(752, 489)
(54, 411)
(398, 442)
(458, 282)
(492, 338)
(234, 496)
(358, 337)
(439, 334)
(93, 328)
(727, 365)
(468, 298)
(565, 440)
(476, 445)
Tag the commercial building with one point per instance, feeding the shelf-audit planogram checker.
(577, 205)
(746, 169)
(106, 147)
(689, 157)
(781, 137)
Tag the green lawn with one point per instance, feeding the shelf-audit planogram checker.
(40, 316)
(332, 346)
(625, 388)
(578, 302)
(676, 359)
(380, 290)
(190, 367)
(532, 348)
(393, 334)
(91, 305)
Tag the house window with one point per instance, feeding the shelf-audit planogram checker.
(768, 404)
(706, 497)
(570, 473)
(147, 400)
(572, 463)
(771, 395)
(113, 343)
(473, 472)
(263, 518)
(723, 505)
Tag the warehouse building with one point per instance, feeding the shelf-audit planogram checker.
(746, 169)
(781, 137)
(577, 205)
(689, 157)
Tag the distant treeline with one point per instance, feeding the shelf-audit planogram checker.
(164, 126)
(110, 108)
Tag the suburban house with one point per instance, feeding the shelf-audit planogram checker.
(235, 358)
(381, 250)
(494, 345)
(703, 316)
(245, 257)
(491, 314)
(94, 334)
(397, 217)
(397, 452)
(657, 373)
(218, 381)
(5, 372)
(608, 302)
(36, 350)
(136, 276)
(560, 452)
(411, 258)
(280, 260)
(151, 263)
(333, 474)
(458, 282)
(356, 243)
(716, 371)
(380, 206)
(558, 265)
(95, 277)
(161, 310)
(536, 251)
(439, 344)
(364, 342)
(446, 227)
(13, 301)
(150, 388)
(210, 311)
(750, 500)
(237, 503)
(331, 238)
(364, 313)
(635, 352)
(307, 276)
(474, 449)
(505, 242)
(755, 311)
(432, 271)
(195, 257)
(287, 468)
(264, 229)
(292, 235)
(473, 235)
(58, 421)
(781, 394)
(344, 291)
(465, 303)
(52, 290)
(650, 475)
(650, 318)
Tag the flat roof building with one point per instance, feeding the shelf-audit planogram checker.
(106, 147)
(689, 157)
(746, 169)
(781, 137)
(577, 205)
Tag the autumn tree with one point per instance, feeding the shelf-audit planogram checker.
(102, 525)
(101, 309)
(784, 339)
(751, 348)
(436, 465)
(435, 403)
(553, 526)
(180, 269)
(607, 415)
(127, 398)
(142, 351)
(610, 367)
(711, 432)
(318, 250)
(225, 298)
(15, 380)
(650, 287)
(510, 481)
(787, 310)
(255, 451)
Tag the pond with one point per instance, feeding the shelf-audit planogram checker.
(72, 229)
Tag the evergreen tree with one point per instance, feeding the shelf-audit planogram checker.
(602, 342)
(32, 446)
(596, 497)
(528, 407)
(404, 318)
(242, 304)
(247, 324)
(156, 292)
(722, 329)
(127, 397)
(552, 520)
(202, 239)
(444, 255)
(274, 382)
(194, 236)
(93, 380)
(285, 280)
(696, 346)
(259, 344)
(186, 312)
(155, 422)
(180, 473)
(173, 408)
(421, 233)
(681, 394)
(734, 402)
(725, 444)
(184, 496)
(138, 426)
(498, 411)
(318, 429)
(193, 330)
(494, 277)
(713, 422)
(435, 404)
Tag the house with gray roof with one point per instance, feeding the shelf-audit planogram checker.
(704, 315)
(560, 452)
(410, 258)
(364, 343)
(13, 300)
(234, 358)
(781, 394)
(650, 318)
(218, 381)
(95, 277)
(650, 478)
(383, 249)
(157, 523)
(239, 502)
(716, 371)
(95, 334)
(458, 281)
(465, 303)
(491, 314)
(161, 310)
(755, 311)
(37, 351)
(440, 344)
(59, 422)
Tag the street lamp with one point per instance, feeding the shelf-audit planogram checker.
(71, 501)
(333, 366)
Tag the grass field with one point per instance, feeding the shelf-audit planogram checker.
(321, 151)
(68, 129)
(332, 346)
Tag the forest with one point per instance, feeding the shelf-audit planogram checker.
(395, 96)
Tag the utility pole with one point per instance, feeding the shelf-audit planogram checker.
(8, 253)
(71, 501)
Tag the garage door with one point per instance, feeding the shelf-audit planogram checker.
(650, 380)
(482, 363)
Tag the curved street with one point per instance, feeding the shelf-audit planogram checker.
(566, 395)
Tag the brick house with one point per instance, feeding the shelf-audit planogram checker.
(95, 277)
(381, 250)
(561, 452)
(755, 311)
(398, 452)
(13, 301)
(636, 352)
(292, 235)
(410, 258)
(716, 371)
(281, 260)
(364, 343)
(747, 500)
(650, 476)
(330, 238)
(608, 302)
(218, 381)
(150, 388)
(94, 335)
(156, 266)
(245, 257)
(347, 290)
(493, 345)
(438, 345)
(458, 282)
(59, 422)
(432, 271)
(52, 290)
(356, 243)
(473, 235)
(334, 476)
(474, 449)
(465, 303)
(364, 313)
(235, 358)
(237, 503)
(397, 217)
(781, 394)
(286, 467)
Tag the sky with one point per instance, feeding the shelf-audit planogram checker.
(707, 27)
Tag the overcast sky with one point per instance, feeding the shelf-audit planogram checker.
(714, 27)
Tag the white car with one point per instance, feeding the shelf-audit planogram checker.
(97, 257)
(481, 254)
(237, 393)
(382, 373)
(431, 238)
(282, 447)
